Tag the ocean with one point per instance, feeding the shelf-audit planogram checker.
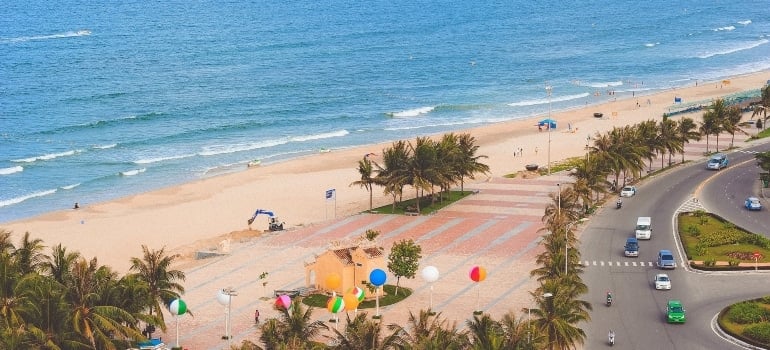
(104, 100)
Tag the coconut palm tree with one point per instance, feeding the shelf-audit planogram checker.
(364, 333)
(59, 263)
(429, 330)
(154, 269)
(293, 326)
(366, 170)
(391, 174)
(763, 107)
(421, 167)
(517, 333)
(733, 115)
(485, 333)
(468, 164)
(687, 130)
(558, 313)
(669, 140)
(29, 254)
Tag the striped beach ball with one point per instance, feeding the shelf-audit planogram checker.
(177, 307)
(335, 304)
(359, 293)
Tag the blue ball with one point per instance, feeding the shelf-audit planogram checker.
(377, 277)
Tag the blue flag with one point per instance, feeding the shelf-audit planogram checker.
(331, 194)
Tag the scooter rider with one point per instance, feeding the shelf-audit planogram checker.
(609, 298)
(611, 337)
(619, 203)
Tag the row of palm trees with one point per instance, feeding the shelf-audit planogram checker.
(61, 300)
(424, 165)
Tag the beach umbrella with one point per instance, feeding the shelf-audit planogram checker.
(283, 301)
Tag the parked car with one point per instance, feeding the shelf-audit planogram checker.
(752, 203)
(662, 282)
(628, 191)
(675, 312)
(666, 259)
(632, 247)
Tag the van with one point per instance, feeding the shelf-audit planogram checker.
(632, 247)
(643, 227)
(717, 162)
(666, 259)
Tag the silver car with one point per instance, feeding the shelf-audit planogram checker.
(662, 282)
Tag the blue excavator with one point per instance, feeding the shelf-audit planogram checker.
(273, 223)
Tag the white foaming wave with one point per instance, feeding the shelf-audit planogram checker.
(725, 28)
(412, 112)
(69, 187)
(224, 149)
(17, 200)
(327, 135)
(47, 156)
(112, 145)
(69, 34)
(652, 44)
(746, 22)
(746, 46)
(413, 127)
(545, 100)
(11, 170)
(133, 172)
(160, 159)
(604, 84)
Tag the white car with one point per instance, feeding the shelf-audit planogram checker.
(628, 191)
(662, 282)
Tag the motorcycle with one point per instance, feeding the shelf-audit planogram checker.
(612, 338)
(609, 299)
(618, 204)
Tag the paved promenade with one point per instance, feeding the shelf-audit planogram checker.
(495, 228)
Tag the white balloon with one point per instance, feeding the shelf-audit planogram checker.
(223, 298)
(430, 274)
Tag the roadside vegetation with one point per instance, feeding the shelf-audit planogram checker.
(748, 321)
(710, 242)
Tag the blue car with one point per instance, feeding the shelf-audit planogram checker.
(752, 203)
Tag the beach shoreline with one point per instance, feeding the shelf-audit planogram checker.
(194, 215)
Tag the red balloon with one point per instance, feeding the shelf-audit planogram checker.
(478, 274)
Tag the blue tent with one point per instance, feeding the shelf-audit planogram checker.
(549, 122)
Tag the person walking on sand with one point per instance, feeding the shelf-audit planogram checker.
(256, 316)
(535, 150)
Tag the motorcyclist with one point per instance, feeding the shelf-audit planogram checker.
(611, 337)
(609, 297)
(619, 203)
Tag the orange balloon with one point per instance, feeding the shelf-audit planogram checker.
(333, 281)
(351, 301)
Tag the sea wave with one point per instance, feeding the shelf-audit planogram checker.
(746, 22)
(160, 159)
(603, 84)
(69, 187)
(112, 145)
(742, 47)
(240, 147)
(11, 170)
(12, 201)
(47, 156)
(338, 133)
(102, 123)
(68, 34)
(652, 44)
(725, 28)
(412, 112)
(133, 172)
(546, 100)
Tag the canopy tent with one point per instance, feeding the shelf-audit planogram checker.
(547, 122)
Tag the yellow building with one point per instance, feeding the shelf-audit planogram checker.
(351, 261)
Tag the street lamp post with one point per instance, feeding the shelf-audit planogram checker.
(548, 90)
(566, 242)
(558, 205)
(226, 297)
(529, 319)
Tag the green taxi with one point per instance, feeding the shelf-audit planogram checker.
(675, 312)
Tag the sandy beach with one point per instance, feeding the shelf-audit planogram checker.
(191, 216)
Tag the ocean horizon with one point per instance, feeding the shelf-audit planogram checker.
(101, 102)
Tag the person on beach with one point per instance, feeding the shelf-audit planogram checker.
(77, 206)
(535, 150)
(256, 316)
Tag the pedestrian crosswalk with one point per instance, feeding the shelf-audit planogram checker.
(748, 152)
(595, 263)
(691, 205)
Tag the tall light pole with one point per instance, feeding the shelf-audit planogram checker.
(226, 297)
(548, 90)
(558, 206)
(588, 150)
(566, 242)
(529, 319)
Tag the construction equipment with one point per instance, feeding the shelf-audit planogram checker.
(273, 223)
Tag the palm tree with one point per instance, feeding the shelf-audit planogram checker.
(686, 131)
(468, 163)
(29, 255)
(58, 264)
(364, 333)
(648, 136)
(713, 119)
(366, 170)
(763, 106)
(733, 116)
(558, 314)
(392, 173)
(421, 167)
(669, 140)
(154, 269)
(485, 333)
(517, 333)
(293, 326)
(428, 330)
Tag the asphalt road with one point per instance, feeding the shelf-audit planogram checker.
(637, 314)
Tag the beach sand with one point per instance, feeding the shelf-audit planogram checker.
(197, 216)
(190, 216)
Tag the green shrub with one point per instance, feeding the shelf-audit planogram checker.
(747, 312)
(700, 250)
(693, 230)
(759, 332)
(757, 240)
(734, 262)
(765, 299)
(709, 262)
(722, 237)
(728, 225)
